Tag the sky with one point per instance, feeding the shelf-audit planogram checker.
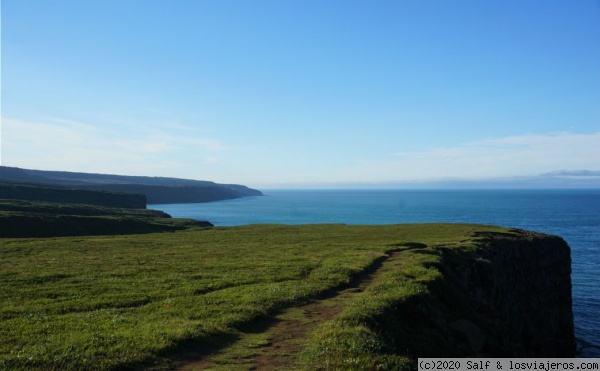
(304, 93)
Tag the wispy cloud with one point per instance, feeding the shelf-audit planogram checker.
(56, 143)
(64, 144)
(573, 173)
(493, 157)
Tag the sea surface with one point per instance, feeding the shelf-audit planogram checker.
(572, 214)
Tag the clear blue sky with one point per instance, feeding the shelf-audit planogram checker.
(284, 93)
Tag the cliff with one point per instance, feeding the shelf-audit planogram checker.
(496, 293)
(38, 210)
(519, 291)
(57, 194)
(178, 194)
(26, 219)
(157, 189)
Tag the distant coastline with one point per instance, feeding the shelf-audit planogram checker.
(157, 190)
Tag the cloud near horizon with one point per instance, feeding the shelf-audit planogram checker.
(573, 173)
(523, 155)
(62, 144)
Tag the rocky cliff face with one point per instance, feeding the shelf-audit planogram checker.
(519, 290)
(46, 193)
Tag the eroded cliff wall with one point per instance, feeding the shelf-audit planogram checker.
(46, 193)
(518, 290)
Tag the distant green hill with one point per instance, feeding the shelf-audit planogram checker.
(24, 218)
(157, 189)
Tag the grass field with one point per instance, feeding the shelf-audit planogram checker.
(132, 301)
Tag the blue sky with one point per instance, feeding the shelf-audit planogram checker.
(302, 93)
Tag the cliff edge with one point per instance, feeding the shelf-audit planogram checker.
(518, 289)
(495, 293)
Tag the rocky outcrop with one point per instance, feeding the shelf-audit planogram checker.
(518, 288)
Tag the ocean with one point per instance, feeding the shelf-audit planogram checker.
(572, 214)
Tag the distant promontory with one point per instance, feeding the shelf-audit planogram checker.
(158, 190)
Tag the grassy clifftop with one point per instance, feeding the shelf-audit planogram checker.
(37, 210)
(139, 301)
(22, 218)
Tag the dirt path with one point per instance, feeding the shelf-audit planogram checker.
(273, 342)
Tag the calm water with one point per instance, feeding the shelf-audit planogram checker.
(571, 214)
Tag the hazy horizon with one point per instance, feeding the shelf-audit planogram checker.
(308, 94)
(582, 179)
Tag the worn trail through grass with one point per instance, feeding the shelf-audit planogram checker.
(222, 298)
(273, 342)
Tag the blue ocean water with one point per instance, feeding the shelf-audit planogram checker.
(571, 214)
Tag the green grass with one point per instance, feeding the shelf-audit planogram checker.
(124, 301)
(21, 218)
(75, 209)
